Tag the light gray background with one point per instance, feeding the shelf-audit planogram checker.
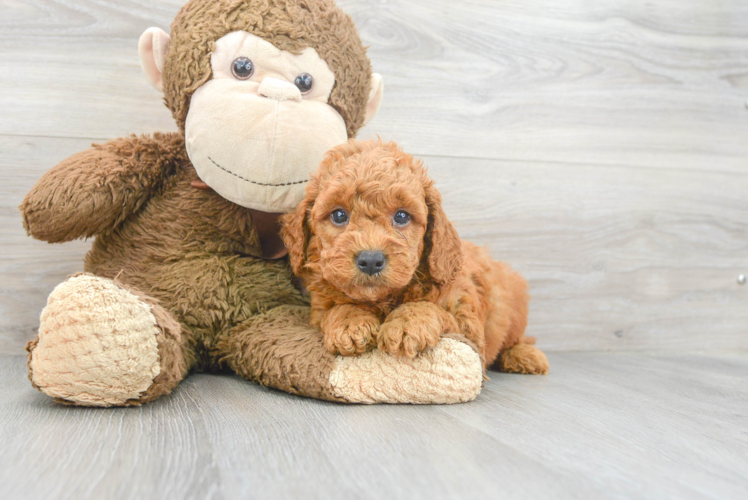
(600, 147)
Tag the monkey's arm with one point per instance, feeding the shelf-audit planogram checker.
(95, 190)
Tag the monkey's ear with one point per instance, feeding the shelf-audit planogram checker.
(152, 48)
(375, 97)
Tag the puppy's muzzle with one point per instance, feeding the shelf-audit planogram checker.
(371, 262)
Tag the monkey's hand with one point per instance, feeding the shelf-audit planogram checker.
(414, 327)
(95, 190)
(349, 330)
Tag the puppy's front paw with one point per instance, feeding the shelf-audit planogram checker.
(353, 335)
(407, 336)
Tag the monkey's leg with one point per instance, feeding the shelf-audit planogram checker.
(279, 349)
(100, 344)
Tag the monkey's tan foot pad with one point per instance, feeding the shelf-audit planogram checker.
(451, 372)
(97, 344)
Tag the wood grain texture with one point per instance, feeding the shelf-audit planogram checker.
(615, 82)
(599, 426)
(654, 84)
(600, 148)
(30, 269)
(617, 258)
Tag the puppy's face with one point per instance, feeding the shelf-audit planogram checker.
(371, 219)
(368, 224)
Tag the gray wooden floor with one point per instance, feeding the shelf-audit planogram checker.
(600, 147)
(600, 426)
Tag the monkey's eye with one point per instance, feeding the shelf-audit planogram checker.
(401, 218)
(304, 82)
(339, 217)
(242, 68)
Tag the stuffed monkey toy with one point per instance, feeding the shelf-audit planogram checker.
(187, 271)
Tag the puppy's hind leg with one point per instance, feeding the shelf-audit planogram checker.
(522, 358)
(518, 353)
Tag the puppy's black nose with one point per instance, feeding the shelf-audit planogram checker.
(371, 262)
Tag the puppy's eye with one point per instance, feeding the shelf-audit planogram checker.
(401, 218)
(242, 68)
(304, 82)
(339, 217)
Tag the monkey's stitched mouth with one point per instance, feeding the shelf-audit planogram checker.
(255, 182)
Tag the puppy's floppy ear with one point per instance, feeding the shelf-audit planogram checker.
(295, 229)
(443, 248)
(295, 233)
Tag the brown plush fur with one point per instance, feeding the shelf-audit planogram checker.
(189, 253)
(96, 190)
(294, 360)
(290, 25)
(171, 357)
(190, 250)
(432, 284)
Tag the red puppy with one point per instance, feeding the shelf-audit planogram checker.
(383, 264)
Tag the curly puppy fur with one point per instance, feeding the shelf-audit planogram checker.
(432, 282)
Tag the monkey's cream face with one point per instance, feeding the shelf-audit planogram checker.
(262, 124)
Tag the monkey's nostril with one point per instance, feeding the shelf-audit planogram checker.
(371, 262)
(281, 90)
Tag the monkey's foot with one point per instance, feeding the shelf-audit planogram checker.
(279, 349)
(102, 345)
(450, 372)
